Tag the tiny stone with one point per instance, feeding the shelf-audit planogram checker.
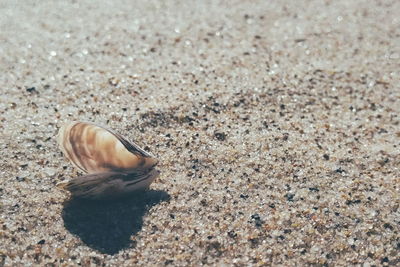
(244, 196)
(290, 197)
(385, 259)
(220, 136)
(340, 170)
(50, 171)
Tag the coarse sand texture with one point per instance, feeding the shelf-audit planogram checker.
(275, 125)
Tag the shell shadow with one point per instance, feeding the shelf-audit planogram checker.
(107, 226)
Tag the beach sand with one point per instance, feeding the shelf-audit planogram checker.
(276, 124)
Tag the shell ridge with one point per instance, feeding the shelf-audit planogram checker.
(131, 146)
(138, 179)
(67, 147)
(76, 148)
(90, 182)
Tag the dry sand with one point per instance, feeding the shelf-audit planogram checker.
(276, 124)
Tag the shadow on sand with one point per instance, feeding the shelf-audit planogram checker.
(107, 226)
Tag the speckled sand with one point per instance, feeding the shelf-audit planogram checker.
(276, 124)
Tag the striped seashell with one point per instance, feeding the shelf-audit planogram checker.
(114, 165)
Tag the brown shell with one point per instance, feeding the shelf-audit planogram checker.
(95, 149)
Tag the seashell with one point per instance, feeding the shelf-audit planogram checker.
(114, 165)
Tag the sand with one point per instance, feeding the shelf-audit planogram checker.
(276, 124)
